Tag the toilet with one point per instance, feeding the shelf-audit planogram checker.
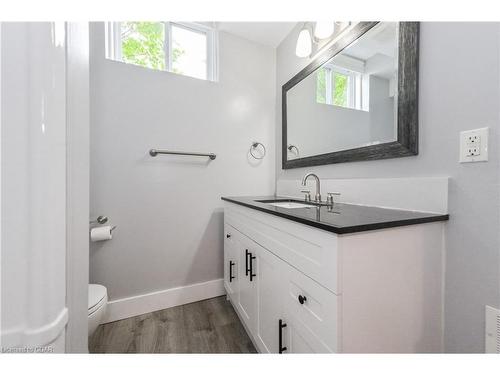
(98, 300)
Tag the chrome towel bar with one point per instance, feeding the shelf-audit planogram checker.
(154, 152)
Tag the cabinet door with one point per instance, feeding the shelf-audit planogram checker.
(247, 296)
(298, 339)
(230, 263)
(310, 313)
(270, 289)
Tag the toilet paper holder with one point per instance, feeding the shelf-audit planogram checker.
(102, 220)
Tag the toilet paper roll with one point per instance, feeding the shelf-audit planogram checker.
(101, 233)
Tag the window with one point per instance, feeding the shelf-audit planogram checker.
(340, 87)
(179, 47)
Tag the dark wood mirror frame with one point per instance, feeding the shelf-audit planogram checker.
(407, 116)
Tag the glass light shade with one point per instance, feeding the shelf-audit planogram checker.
(323, 29)
(304, 44)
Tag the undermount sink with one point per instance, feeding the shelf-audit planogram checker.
(290, 204)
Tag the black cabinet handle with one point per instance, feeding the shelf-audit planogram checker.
(280, 336)
(302, 299)
(231, 277)
(252, 275)
(228, 235)
(247, 253)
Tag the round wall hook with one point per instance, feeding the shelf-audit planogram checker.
(292, 147)
(254, 146)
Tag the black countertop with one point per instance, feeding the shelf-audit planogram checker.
(341, 218)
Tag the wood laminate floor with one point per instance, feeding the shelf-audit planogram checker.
(209, 326)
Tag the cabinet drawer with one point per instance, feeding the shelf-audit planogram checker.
(229, 233)
(315, 319)
(233, 236)
(310, 250)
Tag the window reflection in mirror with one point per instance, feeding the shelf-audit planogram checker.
(351, 100)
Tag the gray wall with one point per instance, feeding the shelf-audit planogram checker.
(168, 209)
(459, 90)
(382, 107)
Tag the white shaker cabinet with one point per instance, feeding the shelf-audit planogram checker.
(258, 290)
(299, 289)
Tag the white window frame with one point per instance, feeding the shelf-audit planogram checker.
(328, 85)
(114, 43)
(355, 87)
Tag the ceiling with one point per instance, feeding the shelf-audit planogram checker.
(380, 39)
(267, 33)
(377, 49)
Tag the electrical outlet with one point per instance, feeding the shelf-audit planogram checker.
(474, 145)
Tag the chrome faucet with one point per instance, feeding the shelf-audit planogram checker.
(317, 197)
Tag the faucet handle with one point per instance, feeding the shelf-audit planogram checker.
(329, 198)
(307, 198)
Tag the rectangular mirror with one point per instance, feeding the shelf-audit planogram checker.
(357, 101)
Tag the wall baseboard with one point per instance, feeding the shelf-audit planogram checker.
(163, 299)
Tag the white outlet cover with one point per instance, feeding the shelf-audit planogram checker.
(470, 152)
(492, 330)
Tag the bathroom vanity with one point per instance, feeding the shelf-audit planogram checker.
(308, 278)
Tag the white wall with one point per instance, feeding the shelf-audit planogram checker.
(168, 209)
(459, 90)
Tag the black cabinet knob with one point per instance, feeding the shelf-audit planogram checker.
(228, 235)
(302, 299)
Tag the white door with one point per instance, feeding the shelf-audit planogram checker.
(34, 185)
(270, 291)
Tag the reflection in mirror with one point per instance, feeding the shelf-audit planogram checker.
(350, 101)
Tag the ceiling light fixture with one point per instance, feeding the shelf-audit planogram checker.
(324, 29)
(304, 43)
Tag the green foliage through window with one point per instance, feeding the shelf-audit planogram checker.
(332, 87)
(321, 86)
(143, 44)
(340, 89)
